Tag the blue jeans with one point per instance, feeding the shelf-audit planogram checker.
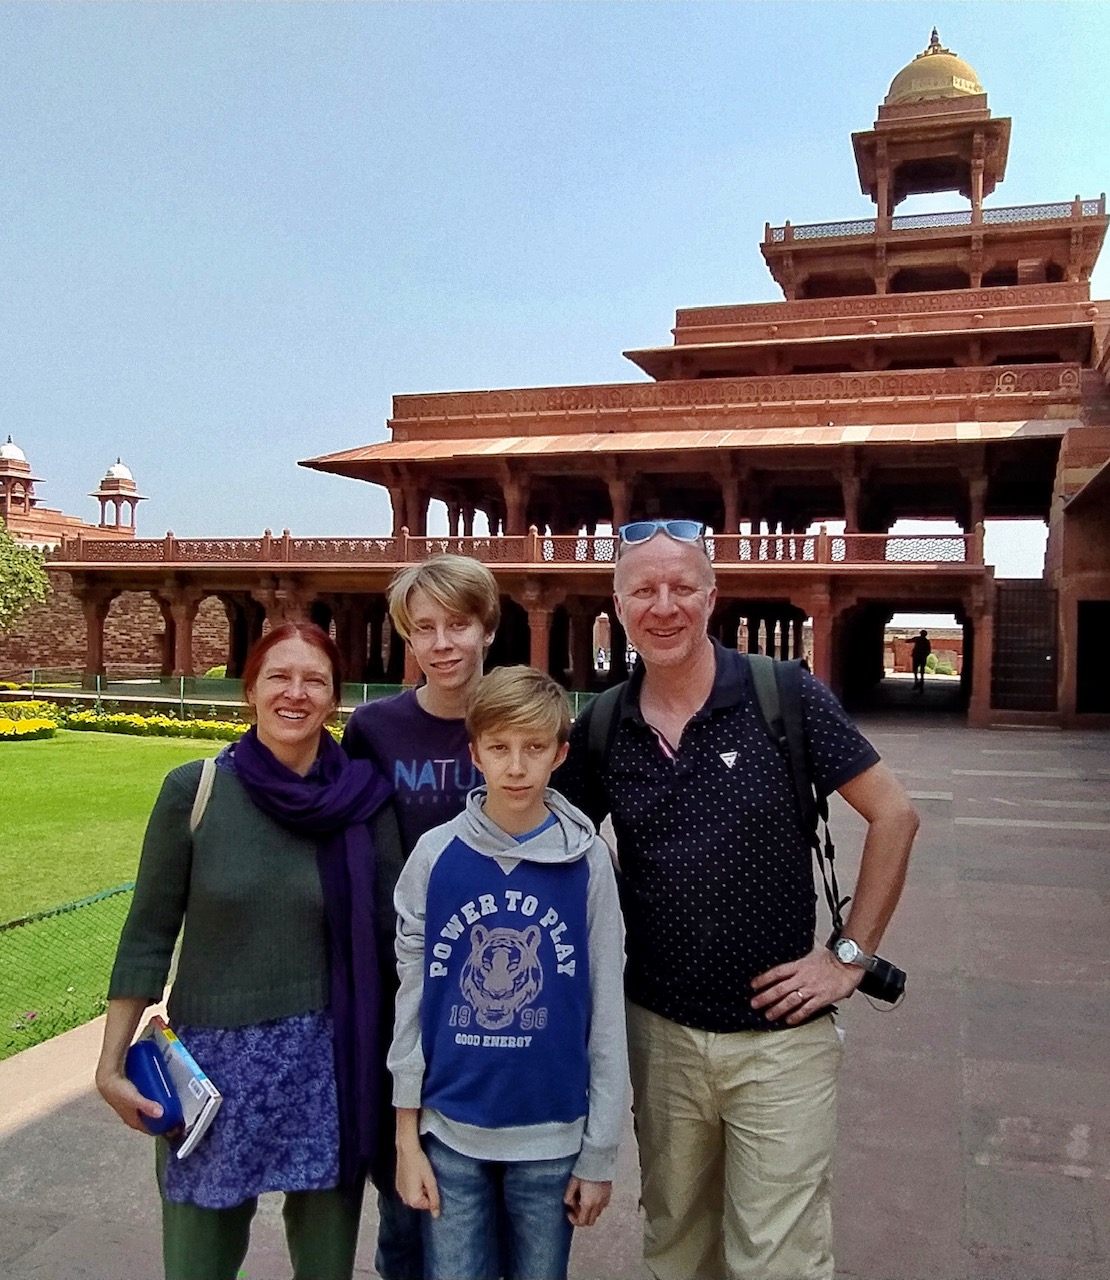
(400, 1254)
(492, 1210)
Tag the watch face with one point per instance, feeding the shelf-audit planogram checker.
(847, 952)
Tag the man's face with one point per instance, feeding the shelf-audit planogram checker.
(664, 594)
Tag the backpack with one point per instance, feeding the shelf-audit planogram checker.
(778, 691)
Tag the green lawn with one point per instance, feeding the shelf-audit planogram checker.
(75, 808)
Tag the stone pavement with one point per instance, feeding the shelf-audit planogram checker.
(975, 1119)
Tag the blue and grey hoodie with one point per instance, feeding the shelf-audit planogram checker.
(510, 1018)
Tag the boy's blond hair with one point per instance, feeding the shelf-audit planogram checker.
(456, 583)
(518, 698)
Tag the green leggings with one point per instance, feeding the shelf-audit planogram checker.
(321, 1228)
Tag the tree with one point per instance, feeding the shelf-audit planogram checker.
(23, 579)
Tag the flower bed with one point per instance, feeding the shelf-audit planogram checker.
(26, 730)
(37, 710)
(151, 726)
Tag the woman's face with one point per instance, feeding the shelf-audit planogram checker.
(292, 697)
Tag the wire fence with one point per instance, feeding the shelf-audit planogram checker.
(54, 967)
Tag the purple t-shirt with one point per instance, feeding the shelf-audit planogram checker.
(425, 757)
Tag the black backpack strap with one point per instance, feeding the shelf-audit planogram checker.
(778, 690)
(602, 718)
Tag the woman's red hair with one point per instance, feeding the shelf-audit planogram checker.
(311, 634)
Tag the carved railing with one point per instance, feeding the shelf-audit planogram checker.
(876, 304)
(727, 393)
(540, 550)
(952, 218)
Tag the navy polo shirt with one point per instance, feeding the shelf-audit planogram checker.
(717, 880)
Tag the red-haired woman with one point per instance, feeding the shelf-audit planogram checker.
(285, 893)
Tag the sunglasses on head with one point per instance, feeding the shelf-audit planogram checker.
(643, 530)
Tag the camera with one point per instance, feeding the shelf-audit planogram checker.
(881, 979)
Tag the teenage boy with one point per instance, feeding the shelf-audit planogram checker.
(509, 1061)
(447, 610)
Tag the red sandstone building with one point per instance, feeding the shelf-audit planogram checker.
(944, 365)
(29, 522)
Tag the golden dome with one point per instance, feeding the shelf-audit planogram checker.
(935, 73)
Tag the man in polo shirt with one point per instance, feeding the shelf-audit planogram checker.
(733, 1048)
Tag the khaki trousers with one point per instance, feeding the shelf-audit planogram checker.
(736, 1135)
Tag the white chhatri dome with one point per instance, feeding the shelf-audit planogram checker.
(11, 452)
(117, 471)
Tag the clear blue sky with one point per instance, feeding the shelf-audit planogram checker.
(231, 232)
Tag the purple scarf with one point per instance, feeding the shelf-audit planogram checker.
(333, 807)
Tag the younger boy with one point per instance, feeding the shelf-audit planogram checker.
(509, 1061)
(446, 609)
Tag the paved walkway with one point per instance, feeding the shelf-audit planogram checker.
(975, 1119)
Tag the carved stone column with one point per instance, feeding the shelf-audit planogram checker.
(620, 499)
(397, 502)
(184, 603)
(515, 492)
(821, 615)
(95, 603)
(850, 486)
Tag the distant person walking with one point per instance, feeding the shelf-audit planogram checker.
(921, 650)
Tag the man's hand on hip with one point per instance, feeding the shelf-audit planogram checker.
(796, 991)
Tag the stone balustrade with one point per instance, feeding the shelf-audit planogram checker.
(747, 551)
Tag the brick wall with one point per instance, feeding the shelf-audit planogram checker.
(52, 635)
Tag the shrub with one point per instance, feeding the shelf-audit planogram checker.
(944, 669)
(931, 663)
(216, 673)
(30, 711)
(26, 730)
(8, 685)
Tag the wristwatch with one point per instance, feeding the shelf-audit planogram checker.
(849, 952)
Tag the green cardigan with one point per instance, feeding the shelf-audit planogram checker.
(255, 942)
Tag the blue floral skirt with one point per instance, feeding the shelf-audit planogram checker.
(277, 1128)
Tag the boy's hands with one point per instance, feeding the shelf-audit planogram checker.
(585, 1201)
(416, 1183)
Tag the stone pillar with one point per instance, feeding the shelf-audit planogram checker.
(754, 621)
(784, 637)
(821, 615)
(979, 708)
(95, 603)
(183, 607)
(416, 511)
(977, 499)
(539, 633)
(515, 492)
(850, 487)
(620, 500)
(799, 637)
(468, 520)
(453, 513)
(397, 502)
(350, 636)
